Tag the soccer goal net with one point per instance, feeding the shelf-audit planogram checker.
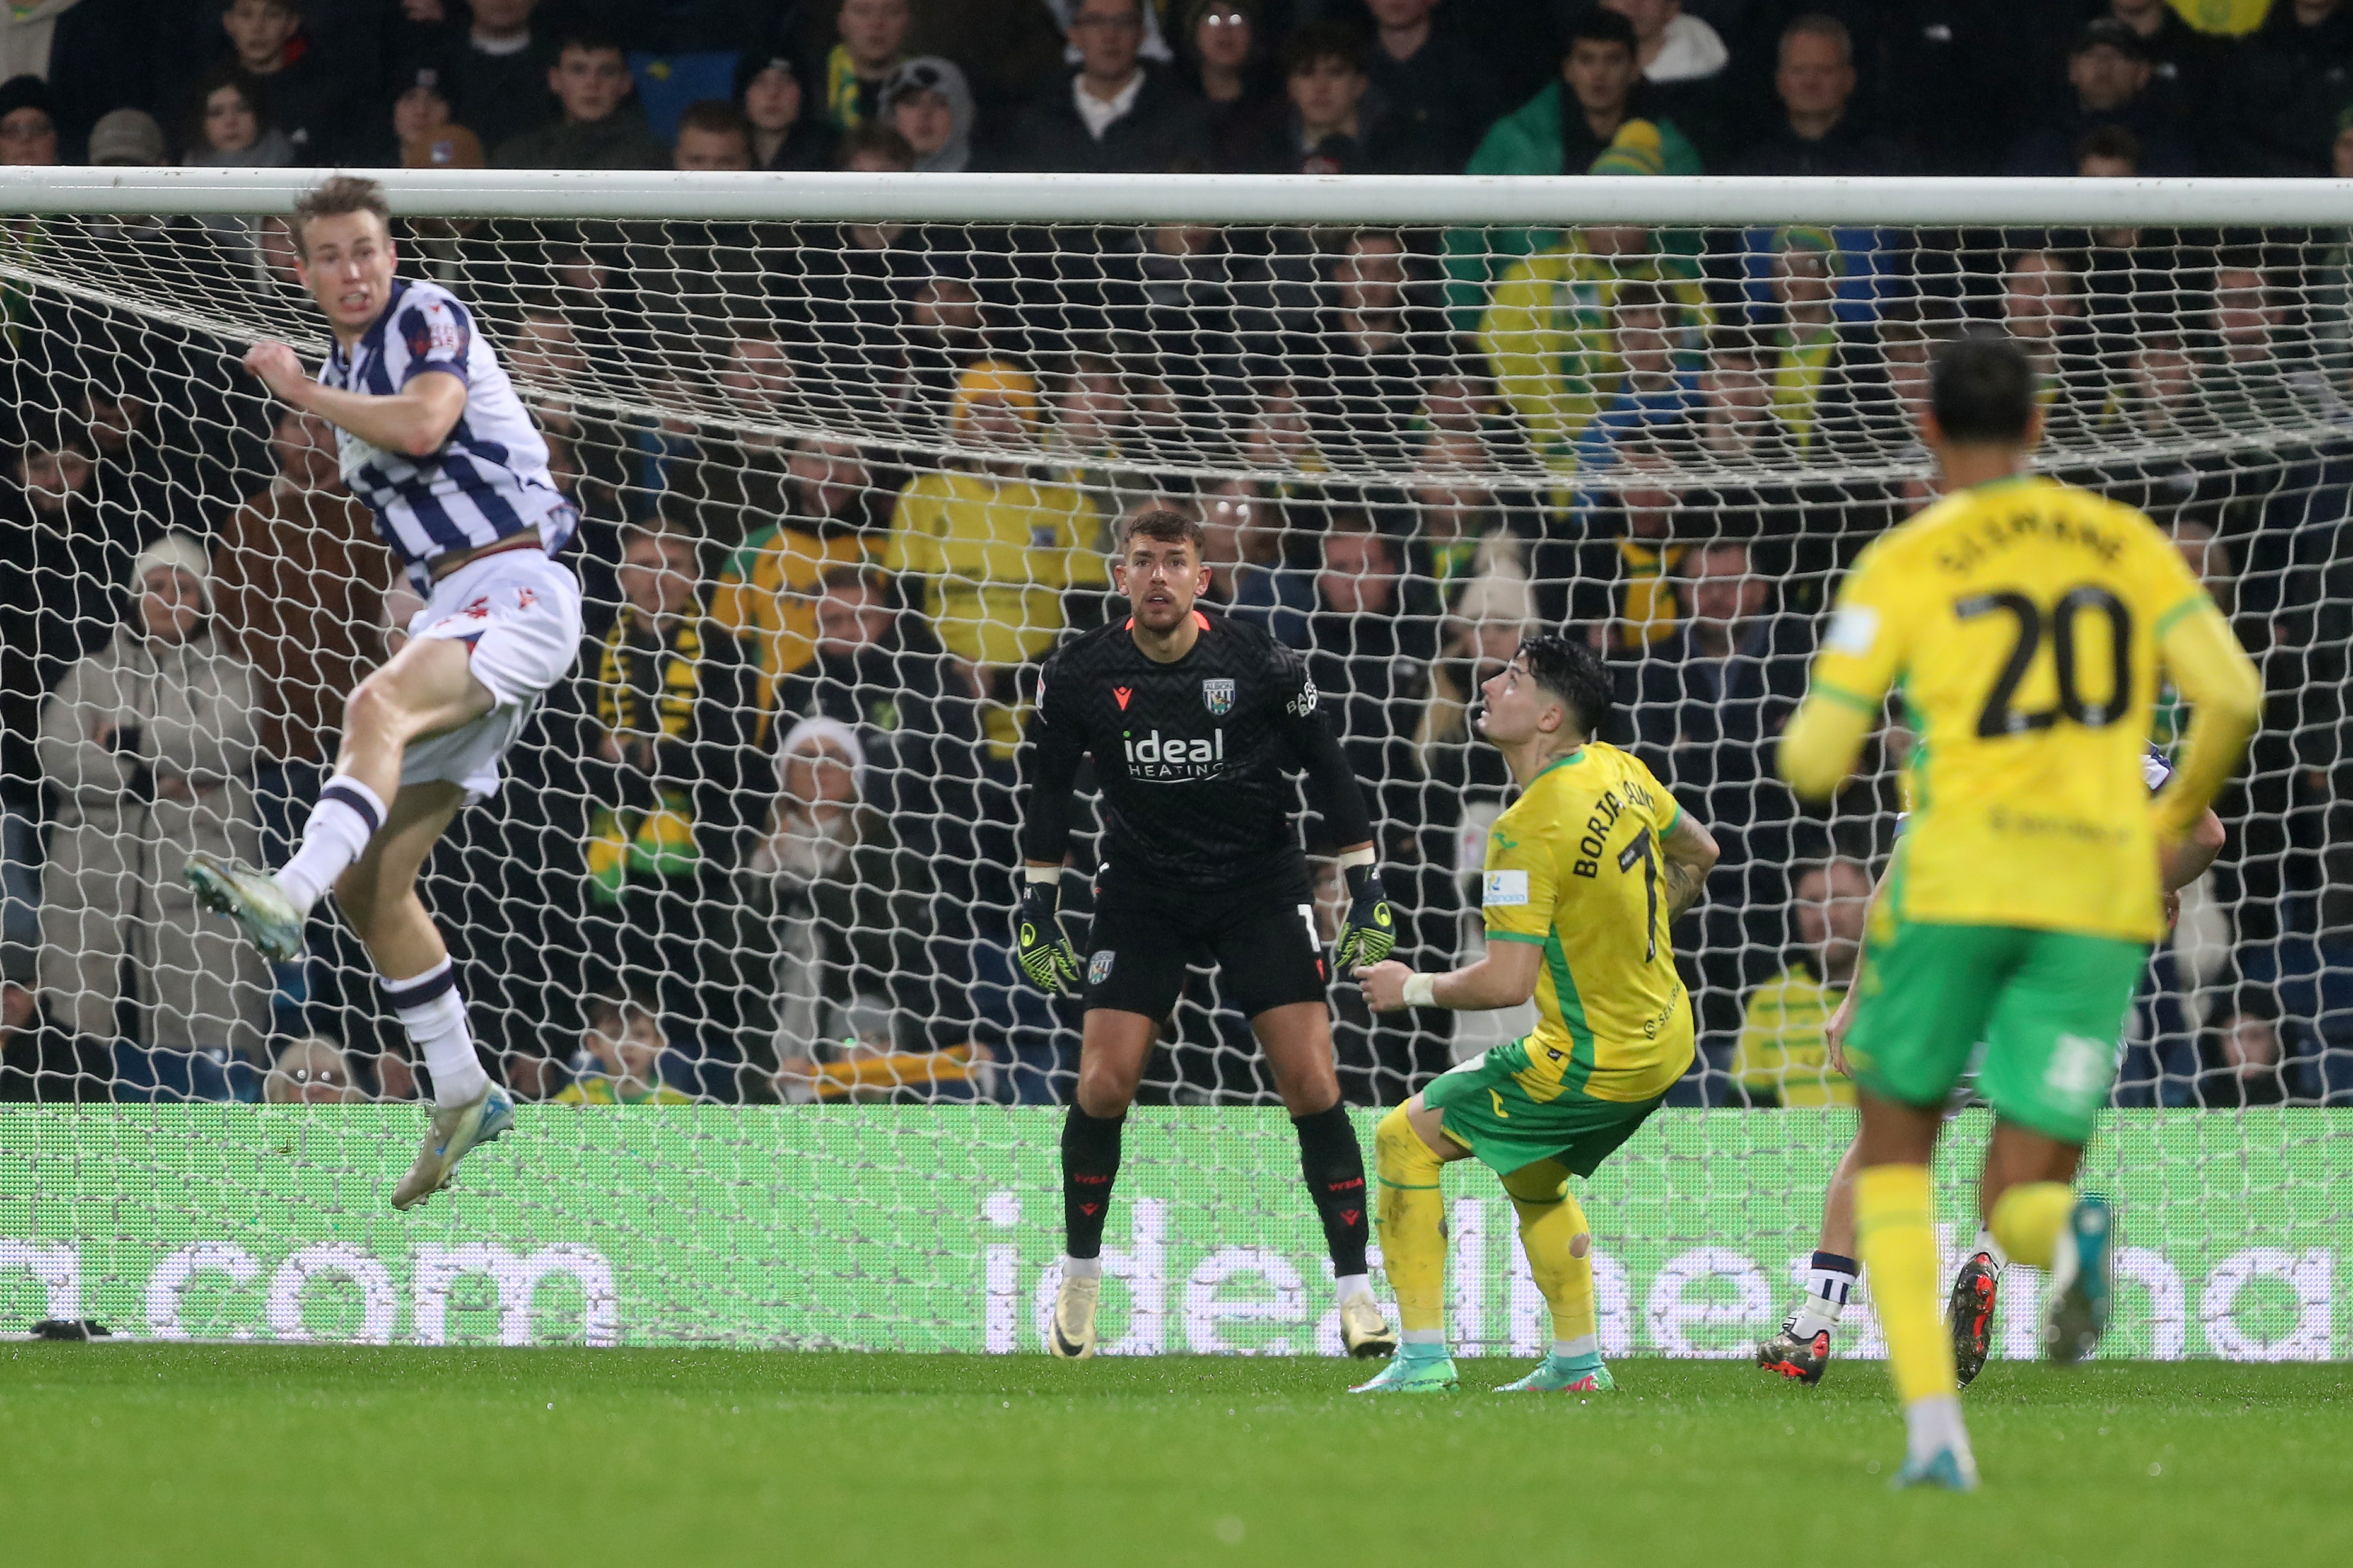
(849, 454)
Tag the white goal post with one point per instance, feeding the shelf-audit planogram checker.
(881, 427)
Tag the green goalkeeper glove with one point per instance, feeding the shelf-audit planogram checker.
(1370, 934)
(1040, 946)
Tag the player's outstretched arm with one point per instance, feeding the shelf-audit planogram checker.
(1504, 978)
(2226, 698)
(413, 421)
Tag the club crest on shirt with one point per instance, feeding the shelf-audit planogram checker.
(1098, 966)
(1218, 697)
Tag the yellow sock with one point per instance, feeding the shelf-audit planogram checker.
(1559, 1246)
(1413, 1240)
(1898, 1245)
(2027, 1218)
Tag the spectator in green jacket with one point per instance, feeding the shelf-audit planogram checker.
(1564, 130)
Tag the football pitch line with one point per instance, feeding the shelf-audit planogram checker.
(253, 1455)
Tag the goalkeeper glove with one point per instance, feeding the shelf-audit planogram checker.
(1371, 933)
(1040, 946)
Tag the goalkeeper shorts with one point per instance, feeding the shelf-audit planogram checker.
(2049, 1006)
(1261, 939)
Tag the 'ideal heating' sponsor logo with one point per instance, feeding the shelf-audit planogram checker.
(1175, 758)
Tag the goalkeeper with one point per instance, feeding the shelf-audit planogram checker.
(1195, 722)
(1586, 873)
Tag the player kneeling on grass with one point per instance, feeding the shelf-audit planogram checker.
(1586, 873)
(1194, 720)
(433, 439)
(1802, 1348)
(2029, 625)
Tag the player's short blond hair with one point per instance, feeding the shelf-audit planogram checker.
(338, 197)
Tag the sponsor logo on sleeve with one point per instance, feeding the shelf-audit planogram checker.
(1504, 890)
(1303, 704)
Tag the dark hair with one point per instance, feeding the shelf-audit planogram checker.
(1166, 525)
(865, 579)
(1981, 388)
(631, 1005)
(1599, 25)
(589, 41)
(1309, 46)
(1733, 340)
(716, 117)
(1573, 673)
(2109, 141)
(1639, 294)
(248, 88)
(338, 197)
(873, 136)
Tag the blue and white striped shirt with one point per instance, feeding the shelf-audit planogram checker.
(490, 480)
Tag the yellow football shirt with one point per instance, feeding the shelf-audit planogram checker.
(1574, 866)
(2020, 620)
(1782, 1050)
(994, 556)
(767, 597)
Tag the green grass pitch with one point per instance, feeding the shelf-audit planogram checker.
(189, 1455)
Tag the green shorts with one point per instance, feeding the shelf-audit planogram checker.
(1483, 1108)
(2049, 1006)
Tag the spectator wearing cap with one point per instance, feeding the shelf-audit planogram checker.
(929, 103)
(490, 66)
(871, 44)
(1818, 130)
(1117, 114)
(2277, 95)
(601, 126)
(28, 123)
(1550, 331)
(1600, 105)
(128, 138)
(427, 136)
(1432, 81)
(785, 135)
(1811, 355)
(149, 745)
(2109, 83)
(77, 48)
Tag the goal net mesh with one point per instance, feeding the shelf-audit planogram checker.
(844, 485)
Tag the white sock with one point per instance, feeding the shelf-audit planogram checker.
(346, 817)
(1082, 1268)
(430, 1009)
(1992, 1248)
(1931, 1424)
(1350, 1284)
(1585, 1347)
(1830, 1280)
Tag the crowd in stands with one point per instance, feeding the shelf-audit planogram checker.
(760, 848)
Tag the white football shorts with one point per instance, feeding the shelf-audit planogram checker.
(519, 612)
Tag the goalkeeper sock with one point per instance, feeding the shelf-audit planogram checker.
(1988, 1244)
(2027, 1218)
(1089, 1164)
(430, 1009)
(1412, 1224)
(1334, 1167)
(1830, 1282)
(1559, 1246)
(346, 817)
(1898, 1242)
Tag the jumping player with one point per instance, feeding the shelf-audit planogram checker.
(1195, 722)
(1586, 874)
(2029, 625)
(433, 439)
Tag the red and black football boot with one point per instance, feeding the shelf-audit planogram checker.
(1803, 1359)
(1970, 1316)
